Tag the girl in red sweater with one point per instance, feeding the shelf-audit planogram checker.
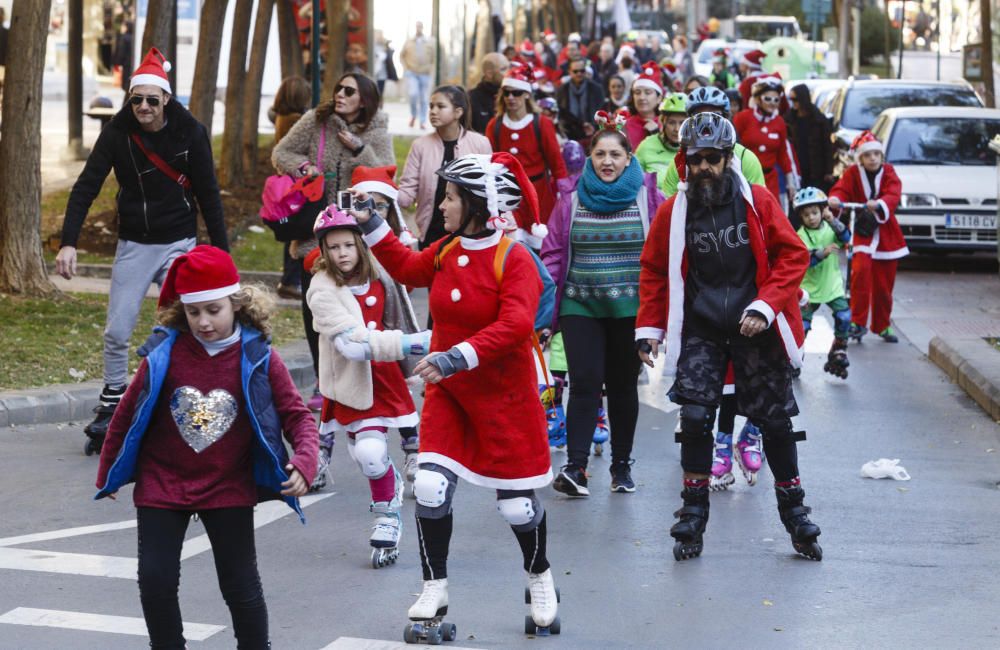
(199, 431)
(366, 326)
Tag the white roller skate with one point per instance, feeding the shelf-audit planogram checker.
(543, 597)
(410, 447)
(386, 528)
(427, 615)
(750, 454)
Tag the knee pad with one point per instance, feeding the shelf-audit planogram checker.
(696, 422)
(433, 493)
(372, 454)
(841, 321)
(778, 432)
(522, 513)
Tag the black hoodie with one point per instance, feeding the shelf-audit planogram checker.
(721, 278)
(152, 208)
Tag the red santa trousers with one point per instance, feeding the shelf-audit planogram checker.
(871, 290)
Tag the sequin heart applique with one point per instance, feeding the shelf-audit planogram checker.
(202, 419)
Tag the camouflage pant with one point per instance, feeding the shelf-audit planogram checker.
(761, 369)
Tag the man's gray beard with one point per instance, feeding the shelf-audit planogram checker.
(711, 191)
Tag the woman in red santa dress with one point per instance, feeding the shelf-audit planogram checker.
(520, 129)
(761, 129)
(482, 420)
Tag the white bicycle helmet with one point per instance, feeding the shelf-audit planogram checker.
(707, 131)
(486, 179)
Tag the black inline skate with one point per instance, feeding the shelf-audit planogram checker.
(837, 361)
(105, 410)
(795, 517)
(857, 332)
(691, 522)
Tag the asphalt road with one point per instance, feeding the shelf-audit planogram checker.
(906, 563)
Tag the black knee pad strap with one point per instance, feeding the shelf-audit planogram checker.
(779, 432)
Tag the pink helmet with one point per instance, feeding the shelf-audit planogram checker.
(332, 218)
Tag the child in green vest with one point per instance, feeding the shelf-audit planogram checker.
(823, 284)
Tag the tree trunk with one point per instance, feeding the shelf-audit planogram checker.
(251, 93)
(288, 41)
(336, 43)
(206, 66)
(231, 164)
(157, 31)
(520, 26)
(484, 39)
(22, 269)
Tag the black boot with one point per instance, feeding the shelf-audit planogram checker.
(795, 517)
(105, 409)
(691, 522)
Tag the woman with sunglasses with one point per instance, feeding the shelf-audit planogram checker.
(647, 92)
(354, 133)
(762, 130)
(521, 130)
(592, 252)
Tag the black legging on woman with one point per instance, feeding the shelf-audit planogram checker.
(600, 353)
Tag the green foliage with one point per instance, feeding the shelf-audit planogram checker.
(873, 22)
(257, 251)
(401, 147)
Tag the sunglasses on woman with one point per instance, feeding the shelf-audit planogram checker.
(770, 100)
(347, 90)
(714, 158)
(137, 100)
(513, 93)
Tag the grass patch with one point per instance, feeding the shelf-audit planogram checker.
(257, 251)
(994, 343)
(44, 339)
(401, 148)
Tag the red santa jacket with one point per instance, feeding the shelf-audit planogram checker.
(767, 137)
(887, 243)
(782, 260)
(518, 138)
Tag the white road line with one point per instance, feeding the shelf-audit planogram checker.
(98, 622)
(351, 643)
(66, 532)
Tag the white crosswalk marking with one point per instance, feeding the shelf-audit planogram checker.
(98, 622)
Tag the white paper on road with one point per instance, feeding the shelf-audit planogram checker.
(885, 468)
(98, 622)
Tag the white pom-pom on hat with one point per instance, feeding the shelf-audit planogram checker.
(539, 230)
(167, 67)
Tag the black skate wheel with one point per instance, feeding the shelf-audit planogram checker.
(556, 626)
(527, 596)
(529, 625)
(558, 595)
(88, 447)
(811, 550)
(449, 632)
(435, 636)
(678, 556)
(408, 635)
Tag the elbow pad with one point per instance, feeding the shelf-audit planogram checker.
(450, 362)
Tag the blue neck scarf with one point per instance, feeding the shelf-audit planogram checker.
(605, 198)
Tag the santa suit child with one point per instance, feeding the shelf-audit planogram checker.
(878, 240)
(482, 419)
(762, 130)
(366, 326)
(513, 130)
(726, 298)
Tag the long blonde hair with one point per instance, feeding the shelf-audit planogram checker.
(253, 305)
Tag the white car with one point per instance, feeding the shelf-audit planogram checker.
(948, 172)
(706, 51)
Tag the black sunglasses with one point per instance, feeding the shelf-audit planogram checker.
(714, 158)
(578, 71)
(347, 90)
(136, 100)
(513, 93)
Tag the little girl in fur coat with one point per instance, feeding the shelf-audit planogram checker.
(367, 329)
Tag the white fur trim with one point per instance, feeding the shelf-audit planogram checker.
(517, 84)
(675, 283)
(642, 82)
(526, 483)
(804, 298)
(528, 239)
(408, 420)
(729, 389)
(209, 294)
(643, 333)
(149, 80)
(377, 235)
(377, 186)
(470, 244)
(871, 145)
(762, 307)
(539, 230)
(796, 354)
(885, 211)
(518, 125)
(891, 255)
(469, 353)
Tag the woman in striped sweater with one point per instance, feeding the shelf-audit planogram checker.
(596, 234)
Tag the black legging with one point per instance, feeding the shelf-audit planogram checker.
(600, 352)
(231, 533)
(727, 414)
(312, 337)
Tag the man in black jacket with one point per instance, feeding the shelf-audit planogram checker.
(162, 159)
(579, 100)
(483, 98)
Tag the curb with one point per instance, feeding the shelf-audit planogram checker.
(103, 271)
(69, 402)
(965, 363)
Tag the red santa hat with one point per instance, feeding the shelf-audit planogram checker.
(865, 142)
(521, 76)
(527, 48)
(376, 179)
(549, 35)
(203, 273)
(152, 71)
(650, 77)
(754, 59)
(526, 214)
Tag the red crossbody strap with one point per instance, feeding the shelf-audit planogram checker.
(161, 164)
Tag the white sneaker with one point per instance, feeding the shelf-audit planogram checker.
(544, 605)
(433, 601)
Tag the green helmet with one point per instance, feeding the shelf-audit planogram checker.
(673, 103)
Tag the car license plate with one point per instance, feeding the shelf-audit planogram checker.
(974, 221)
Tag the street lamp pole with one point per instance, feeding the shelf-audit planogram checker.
(986, 29)
(902, 23)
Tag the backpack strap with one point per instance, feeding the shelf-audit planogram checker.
(444, 250)
(161, 164)
(504, 247)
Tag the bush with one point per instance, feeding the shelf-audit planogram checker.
(873, 34)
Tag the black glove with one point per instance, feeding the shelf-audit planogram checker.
(643, 345)
(865, 224)
(450, 362)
